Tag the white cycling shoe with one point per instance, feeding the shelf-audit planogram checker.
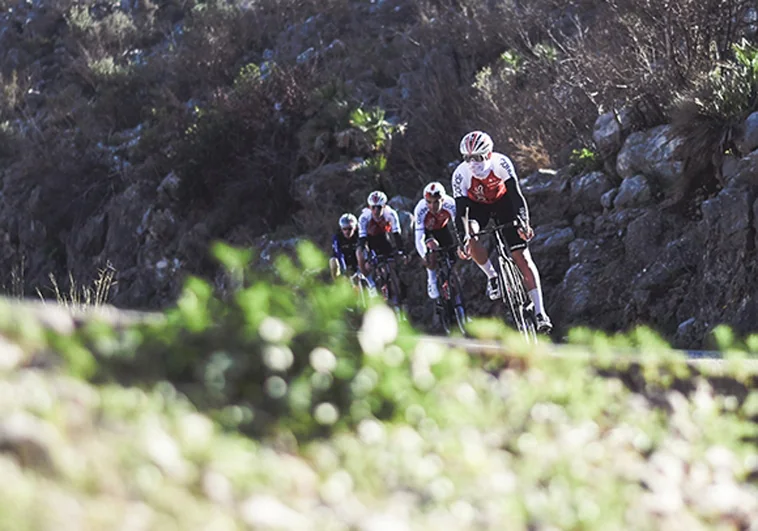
(544, 325)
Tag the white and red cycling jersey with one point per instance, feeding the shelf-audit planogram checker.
(427, 222)
(489, 188)
(368, 226)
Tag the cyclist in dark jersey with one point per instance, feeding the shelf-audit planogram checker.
(344, 244)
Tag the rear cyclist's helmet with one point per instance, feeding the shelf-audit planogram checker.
(433, 190)
(377, 198)
(476, 143)
(348, 221)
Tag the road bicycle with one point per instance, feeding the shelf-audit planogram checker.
(387, 282)
(450, 305)
(518, 304)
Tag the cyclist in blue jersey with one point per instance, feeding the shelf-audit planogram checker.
(344, 244)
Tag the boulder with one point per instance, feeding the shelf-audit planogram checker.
(651, 153)
(587, 190)
(633, 192)
(610, 129)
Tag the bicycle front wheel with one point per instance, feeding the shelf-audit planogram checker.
(443, 306)
(457, 303)
(517, 300)
(393, 290)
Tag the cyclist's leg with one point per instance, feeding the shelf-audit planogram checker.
(351, 263)
(481, 213)
(528, 268)
(361, 259)
(334, 267)
(381, 247)
(364, 263)
(430, 263)
(523, 259)
(445, 239)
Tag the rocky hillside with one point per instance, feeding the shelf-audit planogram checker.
(136, 133)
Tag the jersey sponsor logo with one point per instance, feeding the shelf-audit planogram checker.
(436, 221)
(457, 182)
(487, 190)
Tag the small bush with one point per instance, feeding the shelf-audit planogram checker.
(707, 116)
(280, 348)
(585, 160)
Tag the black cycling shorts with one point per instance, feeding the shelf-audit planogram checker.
(503, 213)
(444, 237)
(380, 244)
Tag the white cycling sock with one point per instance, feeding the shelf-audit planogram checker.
(431, 276)
(536, 296)
(488, 269)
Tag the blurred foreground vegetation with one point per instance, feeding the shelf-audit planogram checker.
(277, 403)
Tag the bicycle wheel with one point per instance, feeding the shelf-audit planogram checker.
(443, 304)
(393, 289)
(361, 288)
(457, 302)
(521, 304)
(514, 295)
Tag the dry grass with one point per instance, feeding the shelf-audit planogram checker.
(78, 297)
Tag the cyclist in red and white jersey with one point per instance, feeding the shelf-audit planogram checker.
(375, 225)
(434, 215)
(486, 185)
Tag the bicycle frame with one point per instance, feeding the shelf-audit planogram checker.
(385, 275)
(514, 294)
(451, 305)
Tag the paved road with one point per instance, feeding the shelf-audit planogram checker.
(710, 360)
(65, 320)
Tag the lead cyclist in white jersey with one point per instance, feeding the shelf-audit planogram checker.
(485, 184)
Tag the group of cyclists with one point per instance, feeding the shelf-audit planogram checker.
(484, 186)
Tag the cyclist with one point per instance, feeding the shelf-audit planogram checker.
(433, 214)
(375, 225)
(485, 184)
(344, 244)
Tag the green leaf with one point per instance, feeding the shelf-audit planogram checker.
(232, 258)
(724, 337)
(311, 257)
(193, 305)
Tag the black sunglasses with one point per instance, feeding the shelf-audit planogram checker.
(474, 158)
(377, 207)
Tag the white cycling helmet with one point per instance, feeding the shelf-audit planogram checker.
(476, 143)
(377, 198)
(433, 190)
(348, 221)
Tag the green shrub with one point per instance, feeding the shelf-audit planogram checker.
(707, 116)
(585, 160)
(279, 352)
